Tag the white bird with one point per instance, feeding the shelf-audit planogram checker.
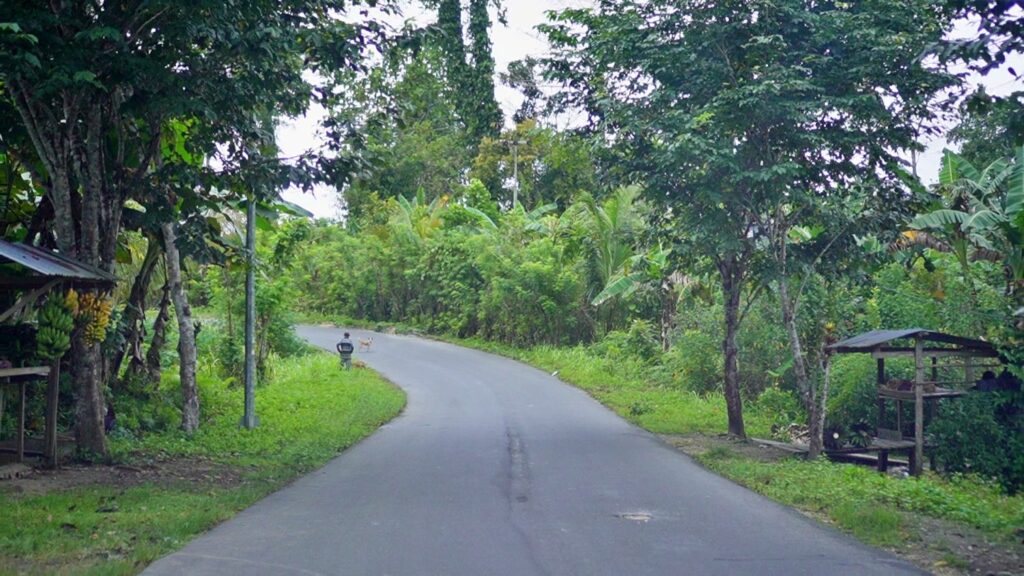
(555, 373)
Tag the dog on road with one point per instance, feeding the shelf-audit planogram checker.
(365, 343)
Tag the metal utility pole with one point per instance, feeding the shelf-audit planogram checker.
(249, 420)
(515, 144)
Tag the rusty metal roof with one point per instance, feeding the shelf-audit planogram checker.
(875, 339)
(42, 266)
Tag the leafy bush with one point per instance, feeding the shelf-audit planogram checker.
(853, 396)
(639, 341)
(982, 434)
(782, 408)
(142, 408)
(695, 362)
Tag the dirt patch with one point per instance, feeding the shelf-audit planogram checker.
(165, 472)
(938, 546)
(948, 549)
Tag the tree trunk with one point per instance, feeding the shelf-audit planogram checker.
(668, 312)
(89, 403)
(808, 391)
(732, 286)
(133, 318)
(186, 334)
(151, 366)
(819, 410)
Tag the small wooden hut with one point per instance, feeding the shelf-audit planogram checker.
(29, 273)
(931, 351)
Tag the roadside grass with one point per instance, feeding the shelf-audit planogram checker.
(626, 386)
(871, 505)
(309, 413)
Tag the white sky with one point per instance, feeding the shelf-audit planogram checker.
(520, 39)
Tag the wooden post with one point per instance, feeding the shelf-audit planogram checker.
(3, 400)
(918, 408)
(881, 401)
(21, 422)
(52, 400)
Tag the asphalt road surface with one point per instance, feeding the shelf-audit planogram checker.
(496, 468)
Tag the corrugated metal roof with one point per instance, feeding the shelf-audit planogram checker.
(51, 265)
(876, 338)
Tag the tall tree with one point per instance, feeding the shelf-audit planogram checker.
(736, 112)
(186, 332)
(485, 116)
(999, 33)
(990, 127)
(96, 86)
(407, 130)
(453, 47)
(522, 77)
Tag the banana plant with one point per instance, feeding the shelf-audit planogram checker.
(641, 269)
(983, 213)
(416, 219)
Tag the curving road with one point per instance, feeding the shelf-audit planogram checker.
(496, 468)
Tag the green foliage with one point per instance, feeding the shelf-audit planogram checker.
(308, 414)
(782, 407)
(554, 167)
(695, 361)
(533, 296)
(840, 490)
(853, 403)
(638, 342)
(485, 118)
(983, 434)
(631, 386)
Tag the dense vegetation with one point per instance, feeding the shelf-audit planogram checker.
(183, 485)
(738, 189)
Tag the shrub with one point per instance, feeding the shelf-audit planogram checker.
(983, 434)
(640, 342)
(695, 362)
(854, 392)
(780, 407)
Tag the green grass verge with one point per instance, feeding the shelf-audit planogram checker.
(626, 386)
(869, 504)
(308, 414)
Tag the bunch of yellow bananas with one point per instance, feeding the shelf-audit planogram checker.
(55, 324)
(71, 302)
(94, 315)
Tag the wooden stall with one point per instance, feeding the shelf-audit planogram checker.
(930, 351)
(29, 273)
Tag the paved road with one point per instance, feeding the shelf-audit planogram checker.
(496, 468)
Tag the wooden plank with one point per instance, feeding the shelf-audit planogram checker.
(788, 447)
(933, 353)
(886, 444)
(876, 445)
(910, 394)
(22, 372)
(889, 434)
